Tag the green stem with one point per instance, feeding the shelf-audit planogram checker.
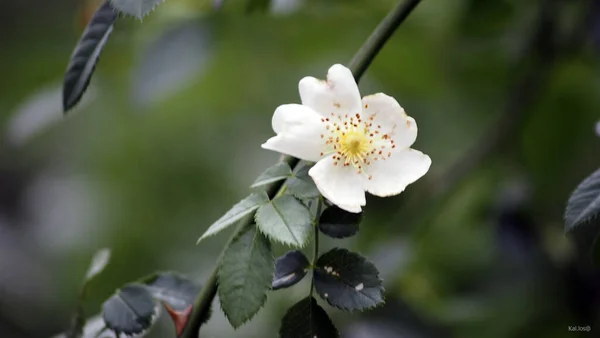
(316, 244)
(358, 66)
(365, 55)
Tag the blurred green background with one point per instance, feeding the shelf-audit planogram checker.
(168, 137)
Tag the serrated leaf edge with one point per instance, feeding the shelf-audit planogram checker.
(277, 240)
(579, 220)
(247, 212)
(140, 16)
(262, 302)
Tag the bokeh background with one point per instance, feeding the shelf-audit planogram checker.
(168, 137)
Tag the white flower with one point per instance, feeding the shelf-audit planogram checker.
(359, 145)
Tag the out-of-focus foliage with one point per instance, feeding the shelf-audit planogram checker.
(170, 135)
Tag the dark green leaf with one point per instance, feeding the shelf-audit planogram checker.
(307, 319)
(584, 203)
(129, 311)
(245, 275)
(290, 269)
(237, 212)
(301, 184)
(278, 172)
(339, 223)
(347, 280)
(86, 54)
(285, 220)
(173, 289)
(136, 8)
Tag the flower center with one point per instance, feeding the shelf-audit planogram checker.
(354, 145)
(356, 141)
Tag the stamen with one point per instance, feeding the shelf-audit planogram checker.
(354, 143)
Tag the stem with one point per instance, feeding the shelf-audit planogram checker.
(358, 66)
(316, 245)
(365, 55)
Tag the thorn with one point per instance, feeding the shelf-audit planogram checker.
(180, 318)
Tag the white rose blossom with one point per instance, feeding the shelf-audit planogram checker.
(358, 145)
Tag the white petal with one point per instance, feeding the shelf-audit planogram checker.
(390, 177)
(299, 130)
(338, 95)
(343, 186)
(388, 114)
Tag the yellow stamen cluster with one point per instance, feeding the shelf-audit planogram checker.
(356, 141)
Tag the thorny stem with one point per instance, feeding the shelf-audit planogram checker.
(358, 66)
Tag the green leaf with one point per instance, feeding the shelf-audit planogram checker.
(136, 8)
(301, 184)
(278, 172)
(290, 269)
(286, 220)
(347, 280)
(584, 203)
(339, 223)
(130, 310)
(307, 319)
(237, 212)
(245, 275)
(173, 289)
(86, 55)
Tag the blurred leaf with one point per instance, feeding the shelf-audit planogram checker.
(278, 172)
(245, 276)
(172, 62)
(136, 8)
(584, 203)
(307, 319)
(99, 262)
(290, 269)
(257, 5)
(286, 220)
(347, 280)
(301, 184)
(241, 209)
(338, 223)
(86, 54)
(38, 112)
(130, 310)
(173, 289)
